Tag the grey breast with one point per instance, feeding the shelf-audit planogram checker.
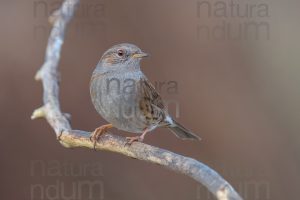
(116, 99)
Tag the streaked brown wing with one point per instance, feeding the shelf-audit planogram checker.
(151, 102)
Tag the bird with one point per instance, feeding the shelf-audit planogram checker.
(122, 94)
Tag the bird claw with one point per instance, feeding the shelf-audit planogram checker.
(96, 135)
(130, 140)
(94, 138)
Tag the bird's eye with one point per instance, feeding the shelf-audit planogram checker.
(120, 52)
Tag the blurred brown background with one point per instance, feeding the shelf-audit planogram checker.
(241, 96)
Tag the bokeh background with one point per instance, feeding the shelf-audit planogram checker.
(241, 96)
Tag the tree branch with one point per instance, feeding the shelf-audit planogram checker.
(69, 138)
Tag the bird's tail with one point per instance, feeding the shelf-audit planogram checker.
(182, 132)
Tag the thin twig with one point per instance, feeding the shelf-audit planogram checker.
(59, 121)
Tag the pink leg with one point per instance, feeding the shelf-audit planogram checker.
(95, 136)
(140, 138)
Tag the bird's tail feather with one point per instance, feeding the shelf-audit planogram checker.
(181, 132)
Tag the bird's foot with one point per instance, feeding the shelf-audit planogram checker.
(130, 140)
(140, 138)
(98, 132)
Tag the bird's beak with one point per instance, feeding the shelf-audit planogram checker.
(140, 55)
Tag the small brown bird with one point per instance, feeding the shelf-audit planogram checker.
(125, 98)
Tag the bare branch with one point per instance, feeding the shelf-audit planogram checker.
(59, 121)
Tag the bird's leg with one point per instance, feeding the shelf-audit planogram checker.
(140, 138)
(98, 132)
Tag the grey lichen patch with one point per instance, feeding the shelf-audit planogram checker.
(156, 160)
(169, 157)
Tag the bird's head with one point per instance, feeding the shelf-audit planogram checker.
(122, 55)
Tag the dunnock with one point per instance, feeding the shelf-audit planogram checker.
(124, 97)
